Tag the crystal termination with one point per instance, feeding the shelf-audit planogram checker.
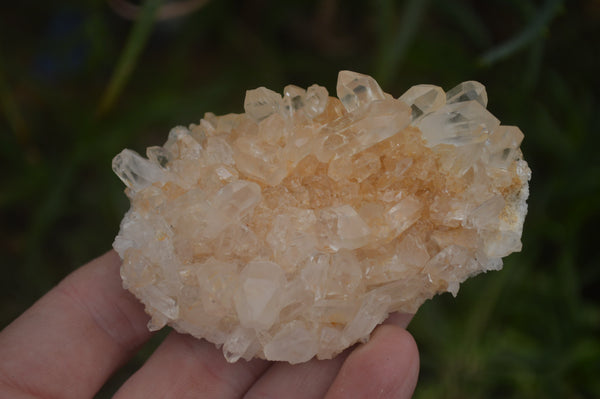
(292, 230)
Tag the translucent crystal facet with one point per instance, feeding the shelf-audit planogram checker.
(291, 231)
(256, 301)
(356, 90)
(293, 99)
(261, 103)
(136, 172)
(468, 91)
(423, 99)
(458, 124)
(315, 101)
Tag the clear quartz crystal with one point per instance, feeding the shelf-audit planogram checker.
(135, 171)
(458, 124)
(293, 341)
(257, 301)
(468, 91)
(291, 231)
(261, 103)
(503, 145)
(423, 99)
(293, 99)
(315, 101)
(356, 90)
(238, 343)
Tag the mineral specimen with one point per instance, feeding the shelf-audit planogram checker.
(292, 230)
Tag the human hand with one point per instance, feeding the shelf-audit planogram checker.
(70, 341)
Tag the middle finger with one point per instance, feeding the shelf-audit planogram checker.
(184, 366)
(305, 380)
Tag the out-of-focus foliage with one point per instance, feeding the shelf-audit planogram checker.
(78, 83)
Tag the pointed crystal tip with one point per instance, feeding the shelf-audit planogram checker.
(135, 171)
(468, 91)
(423, 99)
(261, 103)
(356, 90)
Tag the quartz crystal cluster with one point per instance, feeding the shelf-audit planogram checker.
(291, 230)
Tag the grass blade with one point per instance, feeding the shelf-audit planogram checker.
(530, 33)
(135, 43)
(393, 52)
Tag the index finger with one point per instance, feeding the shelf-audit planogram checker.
(70, 341)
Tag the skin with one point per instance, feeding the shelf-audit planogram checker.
(71, 340)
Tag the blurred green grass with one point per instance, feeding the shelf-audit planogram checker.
(530, 330)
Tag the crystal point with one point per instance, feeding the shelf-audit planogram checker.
(468, 91)
(135, 171)
(423, 99)
(261, 103)
(458, 124)
(356, 90)
(315, 100)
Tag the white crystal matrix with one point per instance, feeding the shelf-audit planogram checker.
(292, 230)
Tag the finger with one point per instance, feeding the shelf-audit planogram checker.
(399, 319)
(385, 367)
(305, 380)
(184, 366)
(70, 341)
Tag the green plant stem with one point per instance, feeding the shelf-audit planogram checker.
(11, 110)
(128, 59)
(394, 49)
(541, 21)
